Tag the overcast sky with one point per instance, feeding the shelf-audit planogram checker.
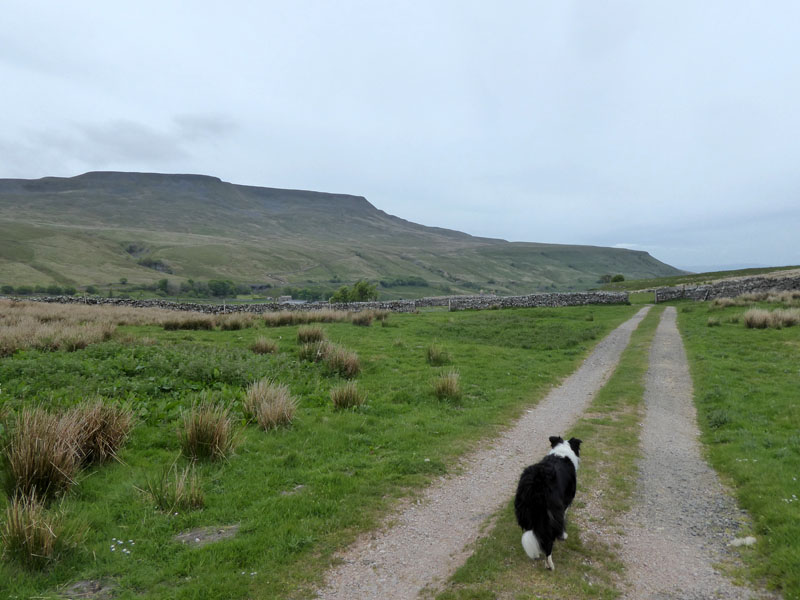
(671, 127)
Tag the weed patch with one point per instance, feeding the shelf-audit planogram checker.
(269, 404)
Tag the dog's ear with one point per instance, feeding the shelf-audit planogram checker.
(555, 441)
(575, 444)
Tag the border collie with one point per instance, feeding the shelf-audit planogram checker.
(544, 493)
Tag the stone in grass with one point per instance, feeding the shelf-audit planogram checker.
(94, 589)
(206, 535)
(745, 541)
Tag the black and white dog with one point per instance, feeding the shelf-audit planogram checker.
(544, 493)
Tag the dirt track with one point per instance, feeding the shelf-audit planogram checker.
(683, 518)
(426, 543)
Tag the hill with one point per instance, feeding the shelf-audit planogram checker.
(100, 227)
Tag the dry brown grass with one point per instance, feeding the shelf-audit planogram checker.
(51, 326)
(759, 318)
(41, 457)
(263, 345)
(207, 431)
(364, 318)
(33, 536)
(236, 321)
(315, 351)
(102, 429)
(269, 404)
(446, 386)
(301, 317)
(343, 362)
(309, 334)
(347, 395)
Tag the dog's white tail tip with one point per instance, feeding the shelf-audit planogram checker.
(531, 545)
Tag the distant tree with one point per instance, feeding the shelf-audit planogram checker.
(54, 290)
(123, 280)
(617, 278)
(24, 290)
(362, 291)
(40, 289)
(221, 288)
(163, 285)
(90, 289)
(605, 278)
(7, 289)
(69, 290)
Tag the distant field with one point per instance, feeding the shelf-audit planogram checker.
(689, 279)
(301, 492)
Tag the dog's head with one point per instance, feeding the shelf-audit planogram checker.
(574, 443)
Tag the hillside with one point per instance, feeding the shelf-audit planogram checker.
(100, 227)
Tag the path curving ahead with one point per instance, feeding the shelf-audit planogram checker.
(428, 540)
(683, 517)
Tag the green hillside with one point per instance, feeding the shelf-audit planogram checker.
(100, 227)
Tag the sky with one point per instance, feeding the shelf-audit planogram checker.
(670, 126)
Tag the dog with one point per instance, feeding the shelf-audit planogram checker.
(544, 493)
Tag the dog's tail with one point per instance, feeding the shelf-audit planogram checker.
(531, 544)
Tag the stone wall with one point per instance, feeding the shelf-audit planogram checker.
(402, 306)
(728, 289)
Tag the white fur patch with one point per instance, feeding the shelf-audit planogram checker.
(564, 450)
(531, 545)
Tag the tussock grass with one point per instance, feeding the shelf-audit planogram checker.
(42, 455)
(343, 362)
(364, 318)
(303, 317)
(712, 322)
(175, 489)
(236, 321)
(309, 334)
(347, 395)
(269, 404)
(315, 351)
(436, 355)
(264, 345)
(191, 321)
(207, 432)
(34, 537)
(759, 318)
(101, 429)
(447, 387)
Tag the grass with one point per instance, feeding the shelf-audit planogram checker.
(41, 457)
(269, 404)
(586, 565)
(207, 431)
(447, 386)
(102, 429)
(347, 395)
(309, 334)
(263, 345)
(689, 279)
(436, 355)
(33, 536)
(175, 490)
(302, 492)
(746, 382)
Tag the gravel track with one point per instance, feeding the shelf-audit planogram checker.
(429, 539)
(683, 517)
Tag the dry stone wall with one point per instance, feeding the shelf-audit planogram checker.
(400, 306)
(728, 289)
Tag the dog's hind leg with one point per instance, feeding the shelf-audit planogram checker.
(548, 563)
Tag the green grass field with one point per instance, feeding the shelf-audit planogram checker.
(746, 391)
(297, 493)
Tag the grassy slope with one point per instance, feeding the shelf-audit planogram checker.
(350, 464)
(76, 231)
(586, 567)
(746, 390)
